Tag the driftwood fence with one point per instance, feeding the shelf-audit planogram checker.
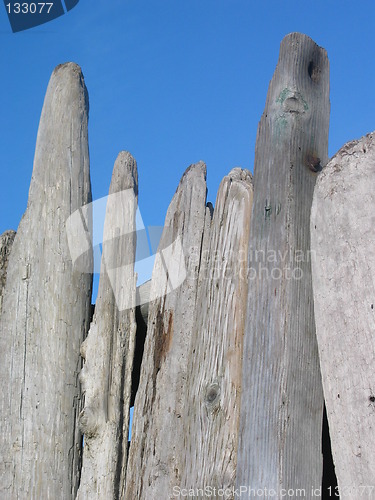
(258, 321)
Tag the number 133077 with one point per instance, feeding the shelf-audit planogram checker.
(29, 8)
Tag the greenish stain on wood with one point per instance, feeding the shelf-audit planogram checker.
(291, 94)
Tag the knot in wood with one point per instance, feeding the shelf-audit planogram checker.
(314, 71)
(292, 101)
(88, 423)
(313, 162)
(212, 396)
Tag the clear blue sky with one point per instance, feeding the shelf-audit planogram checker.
(174, 82)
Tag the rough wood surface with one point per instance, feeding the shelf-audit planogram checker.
(46, 308)
(282, 399)
(155, 457)
(108, 350)
(214, 375)
(6, 243)
(342, 241)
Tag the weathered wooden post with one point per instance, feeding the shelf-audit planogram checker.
(108, 350)
(156, 450)
(46, 308)
(342, 242)
(214, 375)
(282, 399)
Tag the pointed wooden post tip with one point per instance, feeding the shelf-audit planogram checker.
(66, 74)
(195, 169)
(125, 173)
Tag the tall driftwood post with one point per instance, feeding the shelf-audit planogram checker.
(342, 242)
(156, 450)
(108, 350)
(46, 308)
(214, 375)
(282, 399)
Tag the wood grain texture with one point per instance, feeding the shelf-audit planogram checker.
(109, 347)
(342, 241)
(214, 375)
(155, 457)
(6, 243)
(46, 308)
(282, 399)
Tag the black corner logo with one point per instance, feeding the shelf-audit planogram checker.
(24, 15)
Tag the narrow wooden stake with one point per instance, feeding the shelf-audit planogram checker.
(342, 242)
(213, 385)
(46, 308)
(156, 450)
(108, 350)
(282, 398)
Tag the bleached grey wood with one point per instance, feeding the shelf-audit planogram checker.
(109, 347)
(46, 308)
(343, 242)
(282, 399)
(6, 243)
(155, 455)
(214, 375)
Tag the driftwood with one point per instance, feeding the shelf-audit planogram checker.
(46, 308)
(342, 242)
(156, 450)
(108, 350)
(218, 351)
(282, 399)
(214, 375)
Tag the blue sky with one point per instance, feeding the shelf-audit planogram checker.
(175, 82)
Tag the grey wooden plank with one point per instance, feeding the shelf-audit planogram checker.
(214, 375)
(155, 456)
(282, 399)
(46, 308)
(109, 347)
(342, 241)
